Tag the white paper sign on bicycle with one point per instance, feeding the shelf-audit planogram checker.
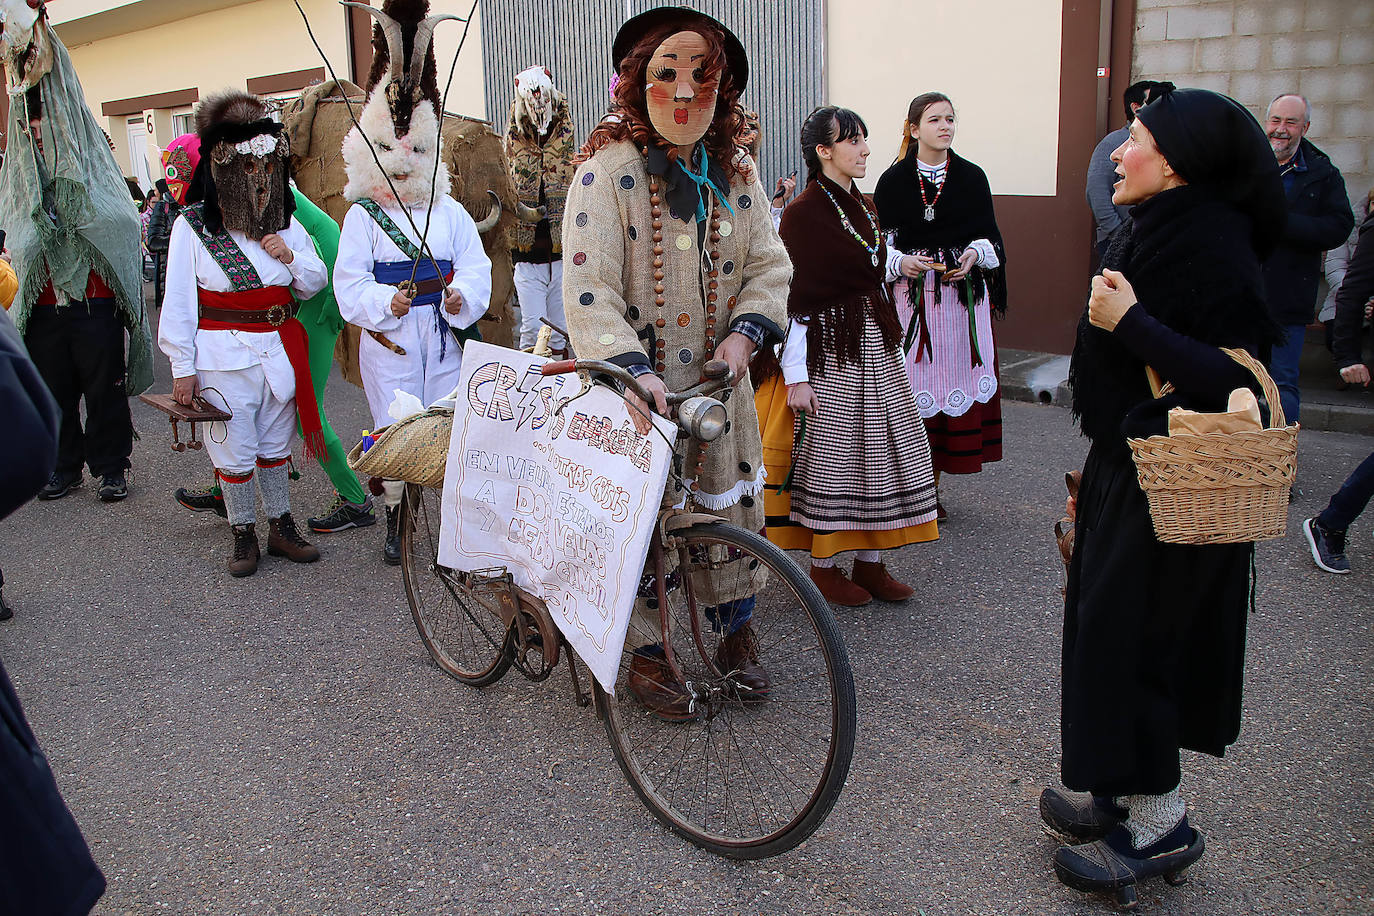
(566, 501)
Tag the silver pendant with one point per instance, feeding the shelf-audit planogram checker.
(874, 259)
(930, 212)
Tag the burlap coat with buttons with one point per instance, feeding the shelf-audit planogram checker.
(609, 299)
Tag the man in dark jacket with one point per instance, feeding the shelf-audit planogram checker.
(1319, 219)
(46, 867)
(1326, 533)
(160, 221)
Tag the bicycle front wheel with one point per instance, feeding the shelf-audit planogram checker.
(465, 637)
(755, 772)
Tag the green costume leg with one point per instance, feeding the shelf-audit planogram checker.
(334, 460)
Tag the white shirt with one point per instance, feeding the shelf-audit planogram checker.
(191, 266)
(452, 237)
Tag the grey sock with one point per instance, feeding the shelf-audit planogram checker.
(240, 501)
(273, 483)
(1152, 816)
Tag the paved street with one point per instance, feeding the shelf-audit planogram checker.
(283, 744)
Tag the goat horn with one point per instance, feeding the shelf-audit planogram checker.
(424, 35)
(527, 213)
(493, 214)
(395, 45)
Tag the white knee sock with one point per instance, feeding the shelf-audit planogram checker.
(869, 556)
(823, 564)
(395, 489)
(1152, 816)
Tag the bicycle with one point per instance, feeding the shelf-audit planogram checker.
(751, 776)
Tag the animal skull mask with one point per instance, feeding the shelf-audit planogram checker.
(250, 181)
(536, 98)
(24, 45)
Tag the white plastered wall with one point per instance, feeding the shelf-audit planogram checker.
(998, 60)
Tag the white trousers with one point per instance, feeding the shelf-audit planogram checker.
(262, 421)
(540, 290)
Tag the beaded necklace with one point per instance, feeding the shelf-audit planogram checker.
(661, 300)
(929, 213)
(877, 236)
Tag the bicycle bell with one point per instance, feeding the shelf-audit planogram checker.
(702, 417)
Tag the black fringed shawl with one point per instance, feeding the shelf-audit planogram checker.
(1189, 256)
(963, 214)
(835, 283)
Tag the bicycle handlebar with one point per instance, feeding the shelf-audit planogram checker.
(716, 372)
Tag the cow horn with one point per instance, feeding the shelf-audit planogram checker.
(395, 45)
(424, 34)
(527, 213)
(493, 215)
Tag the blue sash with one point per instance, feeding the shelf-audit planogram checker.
(393, 273)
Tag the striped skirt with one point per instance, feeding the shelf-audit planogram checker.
(860, 471)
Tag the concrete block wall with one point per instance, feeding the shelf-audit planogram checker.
(1253, 50)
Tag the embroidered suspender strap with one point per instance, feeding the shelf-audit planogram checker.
(392, 231)
(226, 252)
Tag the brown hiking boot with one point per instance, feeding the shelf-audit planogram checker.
(660, 692)
(878, 582)
(837, 588)
(738, 659)
(283, 540)
(245, 559)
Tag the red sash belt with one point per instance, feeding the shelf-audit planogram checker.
(272, 303)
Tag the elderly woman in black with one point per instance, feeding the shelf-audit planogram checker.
(1154, 633)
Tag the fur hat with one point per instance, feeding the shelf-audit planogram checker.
(234, 128)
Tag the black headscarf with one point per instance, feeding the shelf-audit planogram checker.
(1213, 142)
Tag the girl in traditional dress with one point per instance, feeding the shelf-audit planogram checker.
(938, 207)
(1154, 634)
(861, 476)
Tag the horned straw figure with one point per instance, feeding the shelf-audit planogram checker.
(541, 146)
(73, 235)
(411, 272)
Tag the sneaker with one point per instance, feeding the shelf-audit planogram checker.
(1328, 547)
(60, 484)
(113, 487)
(341, 515)
(203, 499)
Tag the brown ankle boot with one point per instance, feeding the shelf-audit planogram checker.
(655, 686)
(244, 562)
(738, 659)
(283, 540)
(837, 588)
(875, 578)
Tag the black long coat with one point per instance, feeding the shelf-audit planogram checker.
(45, 868)
(1154, 634)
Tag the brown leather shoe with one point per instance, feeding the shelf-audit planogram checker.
(653, 684)
(283, 540)
(244, 562)
(875, 578)
(738, 659)
(837, 588)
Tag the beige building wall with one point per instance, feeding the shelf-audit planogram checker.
(999, 61)
(213, 50)
(465, 96)
(1254, 50)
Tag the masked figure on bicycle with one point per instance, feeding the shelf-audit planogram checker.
(672, 260)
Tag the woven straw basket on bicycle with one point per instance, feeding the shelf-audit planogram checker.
(414, 449)
(1221, 488)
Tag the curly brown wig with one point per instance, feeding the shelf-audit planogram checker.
(628, 118)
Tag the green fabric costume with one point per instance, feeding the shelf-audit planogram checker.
(320, 315)
(67, 211)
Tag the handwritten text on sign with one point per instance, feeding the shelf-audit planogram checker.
(566, 501)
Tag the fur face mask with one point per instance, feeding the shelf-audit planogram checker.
(250, 180)
(407, 161)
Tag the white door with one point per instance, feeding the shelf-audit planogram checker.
(138, 153)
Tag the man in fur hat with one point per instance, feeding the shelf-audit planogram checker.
(237, 265)
(540, 145)
(73, 234)
(411, 270)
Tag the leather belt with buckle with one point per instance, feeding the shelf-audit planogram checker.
(275, 317)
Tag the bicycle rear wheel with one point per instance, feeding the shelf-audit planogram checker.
(465, 637)
(751, 776)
